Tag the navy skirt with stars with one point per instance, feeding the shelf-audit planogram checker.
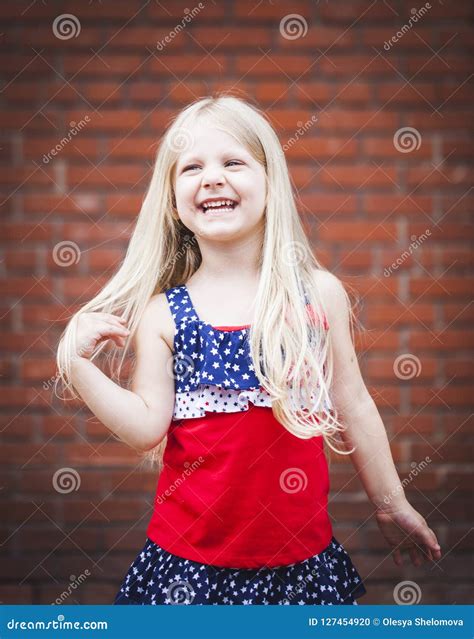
(158, 577)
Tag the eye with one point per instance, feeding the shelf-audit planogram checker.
(193, 166)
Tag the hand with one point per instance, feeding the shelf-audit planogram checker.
(93, 328)
(405, 529)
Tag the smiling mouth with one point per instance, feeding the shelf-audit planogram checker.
(218, 207)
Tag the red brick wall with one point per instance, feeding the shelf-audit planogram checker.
(363, 201)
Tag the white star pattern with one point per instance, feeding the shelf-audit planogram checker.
(200, 584)
(209, 355)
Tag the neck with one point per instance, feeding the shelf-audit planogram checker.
(227, 262)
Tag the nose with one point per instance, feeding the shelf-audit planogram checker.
(212, 176)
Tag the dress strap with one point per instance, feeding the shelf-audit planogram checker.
(180, 304)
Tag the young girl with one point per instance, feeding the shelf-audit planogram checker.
(245, 373)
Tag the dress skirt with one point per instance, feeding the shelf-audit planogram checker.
(158, 577)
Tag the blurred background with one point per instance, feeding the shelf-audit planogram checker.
(372, 102)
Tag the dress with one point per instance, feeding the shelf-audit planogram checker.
(240, 513)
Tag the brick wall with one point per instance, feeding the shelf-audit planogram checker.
(387, 209)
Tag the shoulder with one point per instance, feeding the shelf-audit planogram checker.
(157, 320)
(325, 280)
(333, 296)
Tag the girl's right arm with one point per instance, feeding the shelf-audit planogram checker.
(141, 416)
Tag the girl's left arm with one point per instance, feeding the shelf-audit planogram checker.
(402, 526)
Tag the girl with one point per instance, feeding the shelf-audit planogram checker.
(245, 369)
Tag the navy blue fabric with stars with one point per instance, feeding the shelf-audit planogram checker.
(157, 577)
(204, 354)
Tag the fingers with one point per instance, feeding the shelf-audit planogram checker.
(397, 557)
(436, 554)
(415, 556)
(418, 555)
(430, 545)
(114, 331)
(120, 339)
(435, 548)
(113, 318)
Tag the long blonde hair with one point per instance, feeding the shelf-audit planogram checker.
(292, 357)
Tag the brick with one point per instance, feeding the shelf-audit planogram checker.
(412, 205)
(123, 205)
(111, 454)
(361, 202)
(357, 231)
(439, 286)
(427, 64)
(134, 148)
(385, 148)
(383, 369)
(163, 65)
(320, 148)
(400, 315)
(460, 311)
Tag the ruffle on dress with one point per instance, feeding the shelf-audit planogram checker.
(213, 368)
(158, 577)
(212, 399)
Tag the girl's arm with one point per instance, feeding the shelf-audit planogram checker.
(141, 416)
(365, 431)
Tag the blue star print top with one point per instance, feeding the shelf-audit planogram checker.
(206, 354)
(213, 367)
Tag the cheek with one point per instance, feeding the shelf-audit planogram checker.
(184, 196)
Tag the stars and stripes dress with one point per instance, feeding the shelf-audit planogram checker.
(240, 513)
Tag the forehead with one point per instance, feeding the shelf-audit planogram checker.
(207, 141)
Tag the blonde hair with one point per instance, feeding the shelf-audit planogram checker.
(292, 357)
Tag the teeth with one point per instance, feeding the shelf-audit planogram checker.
(217, 204)
(220, 210)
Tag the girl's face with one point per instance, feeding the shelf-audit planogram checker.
(216, 167)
